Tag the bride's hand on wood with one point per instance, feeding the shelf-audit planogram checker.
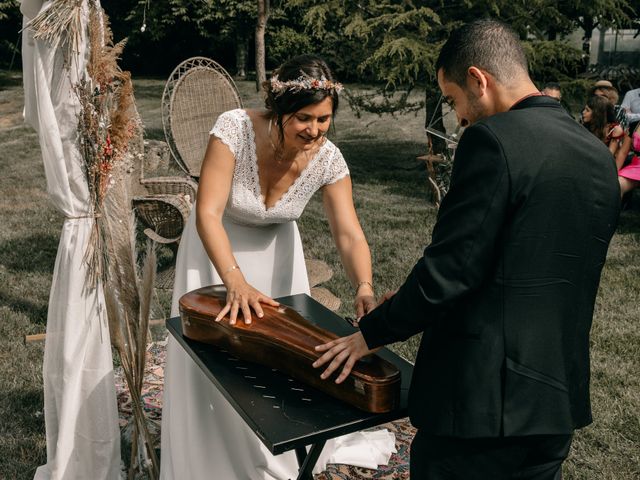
(242, 297)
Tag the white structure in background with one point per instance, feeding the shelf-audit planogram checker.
(610, 47)
(81, 415)
(613, 47)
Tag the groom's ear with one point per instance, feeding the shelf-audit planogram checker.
(477, 81)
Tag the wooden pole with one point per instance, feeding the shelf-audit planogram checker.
(38, 337)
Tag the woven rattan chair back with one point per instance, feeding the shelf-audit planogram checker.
(197, 92)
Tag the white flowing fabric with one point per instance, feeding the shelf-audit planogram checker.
(201, 432)
(81, 416)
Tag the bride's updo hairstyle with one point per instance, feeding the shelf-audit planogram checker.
(297, 83)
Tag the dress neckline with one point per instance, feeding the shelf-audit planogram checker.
(256, 180)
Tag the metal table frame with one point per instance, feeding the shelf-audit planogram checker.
(285, 419)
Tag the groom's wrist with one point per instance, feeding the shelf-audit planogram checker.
(370, 327)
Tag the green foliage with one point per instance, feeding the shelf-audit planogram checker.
(382, 42)
(6, 6)
(397, 42)
(390, 43)
(400, 54)
(545, 19)
(236, 17)
(383, 101)
(552, 60)
(177, 29)
(557, 61)
(284, 42)
(209, 18)
(389, 37)
(10, 24)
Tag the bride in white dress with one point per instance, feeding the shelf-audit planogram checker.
(260, 170)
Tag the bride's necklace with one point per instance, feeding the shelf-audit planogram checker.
(279, 152)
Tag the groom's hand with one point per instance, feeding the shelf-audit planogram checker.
(386, 297)
(347, 350)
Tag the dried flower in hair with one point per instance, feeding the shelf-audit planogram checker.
(303, 82)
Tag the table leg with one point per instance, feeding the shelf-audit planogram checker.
(309, 460)
(301, 454)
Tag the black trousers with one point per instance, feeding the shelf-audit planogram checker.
(536, 457)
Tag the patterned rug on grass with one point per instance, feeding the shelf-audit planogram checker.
(397, 469)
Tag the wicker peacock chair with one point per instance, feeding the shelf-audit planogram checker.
(197, 91)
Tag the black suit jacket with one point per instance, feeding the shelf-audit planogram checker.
(505, 291)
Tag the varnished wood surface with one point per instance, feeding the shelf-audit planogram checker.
(283, 339)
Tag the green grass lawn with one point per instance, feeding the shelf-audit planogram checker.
(394, 207)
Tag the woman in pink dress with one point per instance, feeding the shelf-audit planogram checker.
(629, 176)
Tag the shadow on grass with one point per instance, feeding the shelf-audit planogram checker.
(629, 221)
(23, 256)
(36, 253)
(36, 311)
(154, 134)
(10, 79)
(21, 426)
(22, 411)
(146, 88)
(392, 164)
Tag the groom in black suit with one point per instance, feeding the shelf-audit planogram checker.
(504, 294)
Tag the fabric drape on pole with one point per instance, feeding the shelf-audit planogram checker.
(81, 416)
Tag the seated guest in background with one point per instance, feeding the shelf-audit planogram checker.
(631, 105)
(599, 118)
(552, 89)
(629, 176)
(604, 88)
(623, 155)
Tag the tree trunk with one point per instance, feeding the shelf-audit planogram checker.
(241, 56)
(261, 27)
(588, 25)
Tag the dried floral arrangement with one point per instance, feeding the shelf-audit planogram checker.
(106, 126)
(109, 141)
(60, 25)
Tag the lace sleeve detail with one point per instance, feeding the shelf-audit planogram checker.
(228, 128)
(336, 169)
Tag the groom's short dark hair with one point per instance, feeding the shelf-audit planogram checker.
(487, 44)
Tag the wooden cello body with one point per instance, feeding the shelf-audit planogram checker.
(285, 340)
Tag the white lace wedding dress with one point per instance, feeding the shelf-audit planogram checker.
(202, 435)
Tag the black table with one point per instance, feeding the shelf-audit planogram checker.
(285, 413)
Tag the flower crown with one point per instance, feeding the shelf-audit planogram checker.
(303, 82)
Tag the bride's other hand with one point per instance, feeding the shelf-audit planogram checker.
(351, 242)
(365, 302)
(242, 297)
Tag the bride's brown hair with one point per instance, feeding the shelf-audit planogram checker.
(290, 100)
